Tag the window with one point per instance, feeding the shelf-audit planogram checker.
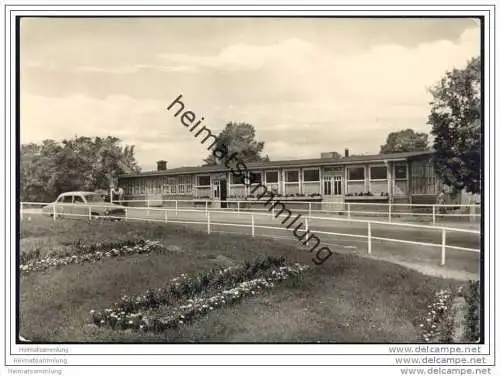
(271, 176)
(378, 173)
(164, 185)
(237, 179)
(255, 177)
(327, 187)
(337, 185)
(333, 170)
(292, 176)
(78, 200)
(92, 197)
(203, 181)
(311, 175)
(184, 184)
(189, 183)
(400, 171)
(66, 199)
(356, 173)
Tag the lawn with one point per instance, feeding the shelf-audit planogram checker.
(347, 299)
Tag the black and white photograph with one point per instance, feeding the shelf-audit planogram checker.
(251, 179)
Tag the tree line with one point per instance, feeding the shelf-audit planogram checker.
(85, 163)
(81, 163)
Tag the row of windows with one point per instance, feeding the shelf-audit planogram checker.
(273, 177)
(183, 184)
(376, 173)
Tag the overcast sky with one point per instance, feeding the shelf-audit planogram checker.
(307, 85)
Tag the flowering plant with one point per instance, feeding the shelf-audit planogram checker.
(92, 253)
(438, 325)
(156, 312)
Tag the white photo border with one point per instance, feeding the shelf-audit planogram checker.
(235, 354)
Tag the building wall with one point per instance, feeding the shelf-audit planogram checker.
(400, 179)
(423, 178)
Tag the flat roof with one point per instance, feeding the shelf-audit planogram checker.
(316, 162)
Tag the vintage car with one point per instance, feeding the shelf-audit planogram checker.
(87, 205)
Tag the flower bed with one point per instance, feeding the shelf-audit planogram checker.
(91, 253)
(438, 325)
(187, 298)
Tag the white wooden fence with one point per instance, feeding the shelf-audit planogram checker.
(205, 217)
(428, 212)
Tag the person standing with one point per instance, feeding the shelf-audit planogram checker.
(117, 193)
(440, 201)
(121, 194)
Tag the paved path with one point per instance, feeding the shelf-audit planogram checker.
(410, 232)
(460, 264)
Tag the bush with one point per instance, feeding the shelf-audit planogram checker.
(473, 315)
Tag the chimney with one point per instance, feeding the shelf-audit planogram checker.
(161, 165)
(346, 152)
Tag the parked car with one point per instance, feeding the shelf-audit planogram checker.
(84, 205)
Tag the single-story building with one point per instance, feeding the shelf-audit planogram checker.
(399, 178)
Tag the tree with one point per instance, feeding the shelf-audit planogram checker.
(456, 125)
(239, 138)
(81, 163)
(404, 141)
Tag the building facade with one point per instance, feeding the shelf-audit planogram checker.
(402, 177)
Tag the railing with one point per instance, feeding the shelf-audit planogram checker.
(428, 212)
(248, 220)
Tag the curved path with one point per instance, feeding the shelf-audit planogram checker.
(464, 262)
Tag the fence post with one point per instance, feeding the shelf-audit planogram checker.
(21, 210)
(472, 212)
(433, 214)
(176, 208)
(166, 216)
(206, 207)
(348, 210)
(126, 214)
(238, 203)
(147, 203)
(443, 246)
(307, 230)
(208, 222)
(90, 213)
(369, 238)
(54, 212)
(390, 211)
(253, 226)
(310, 210)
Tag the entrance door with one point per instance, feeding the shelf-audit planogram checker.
(337, 186)
(332, 186)
(216, 189)
(223, 193)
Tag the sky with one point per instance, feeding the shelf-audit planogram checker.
(308, 85)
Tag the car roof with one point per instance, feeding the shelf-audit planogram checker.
(77, 193)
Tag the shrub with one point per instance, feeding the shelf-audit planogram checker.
(473, 315)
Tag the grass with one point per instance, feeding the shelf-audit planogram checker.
(348, 299)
